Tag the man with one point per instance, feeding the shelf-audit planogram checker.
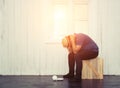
(80, 47)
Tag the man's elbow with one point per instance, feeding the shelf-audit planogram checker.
(76, 50)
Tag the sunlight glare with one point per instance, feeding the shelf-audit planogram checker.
(60, 21)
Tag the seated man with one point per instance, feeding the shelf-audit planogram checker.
(80, 47)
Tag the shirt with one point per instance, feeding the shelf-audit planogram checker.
(85, 42)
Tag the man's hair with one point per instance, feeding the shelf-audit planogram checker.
(66, 42)
(69, 41)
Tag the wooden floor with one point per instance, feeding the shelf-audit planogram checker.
(47, 82)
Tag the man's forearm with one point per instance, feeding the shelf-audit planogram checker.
(70, 49)
(75, 47)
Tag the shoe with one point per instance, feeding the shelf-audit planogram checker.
(76, 80)
(68, 75)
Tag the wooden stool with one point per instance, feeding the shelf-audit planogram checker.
(93, 69)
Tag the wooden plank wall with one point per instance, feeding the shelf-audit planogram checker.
(25, 26)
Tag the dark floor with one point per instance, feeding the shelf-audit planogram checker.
(47, 82)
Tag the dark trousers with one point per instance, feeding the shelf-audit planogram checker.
(77, 59)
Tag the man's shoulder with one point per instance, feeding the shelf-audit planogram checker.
(81, 35)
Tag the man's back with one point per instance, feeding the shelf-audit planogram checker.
(86, 42)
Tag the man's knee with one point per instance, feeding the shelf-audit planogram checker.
(71, 55)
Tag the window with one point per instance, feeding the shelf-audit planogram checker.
(70, 16)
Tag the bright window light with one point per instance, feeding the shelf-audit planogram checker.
(60, 21)
(59, 14)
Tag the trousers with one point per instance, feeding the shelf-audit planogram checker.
(76, 60)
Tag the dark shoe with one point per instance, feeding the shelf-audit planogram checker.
(68, 75)
(76, 80)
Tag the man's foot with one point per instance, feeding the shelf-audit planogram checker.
(76, 79)
(68, 75)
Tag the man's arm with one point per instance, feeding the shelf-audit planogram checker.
(69, 49)
(75, 47)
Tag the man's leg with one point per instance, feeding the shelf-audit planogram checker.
(78, 68)
(83, 55)
(71, 64)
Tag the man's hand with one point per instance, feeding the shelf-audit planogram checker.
(70, 49)
(72, 38)
(75, 47)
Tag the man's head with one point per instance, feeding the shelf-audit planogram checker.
(65, 42)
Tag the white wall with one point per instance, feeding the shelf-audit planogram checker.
(25, 26)
(110, 38)
(104, 28)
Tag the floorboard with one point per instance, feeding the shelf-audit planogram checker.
(47, 82)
